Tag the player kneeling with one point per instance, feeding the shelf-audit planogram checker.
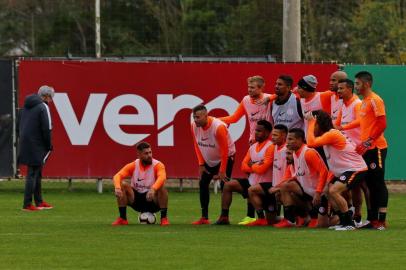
(146, 192)
(257, 163)
(301, 194)
(347, 166)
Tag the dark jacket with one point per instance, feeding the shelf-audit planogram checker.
(34, 131)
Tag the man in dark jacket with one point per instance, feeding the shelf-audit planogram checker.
(35, 144)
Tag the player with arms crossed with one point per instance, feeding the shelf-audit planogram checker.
(146, 193)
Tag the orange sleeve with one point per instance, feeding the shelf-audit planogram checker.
(378, 128)
(329, 138)
(199, 155)
(268, 161)
(244, 164)
(315, 163)
(222, 140)
(325, 98)
(125, 172)
(286, 176)
(357, 121)
(160, 176)
(235, 116)
(378, 106)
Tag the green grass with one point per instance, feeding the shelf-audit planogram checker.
(77, 234)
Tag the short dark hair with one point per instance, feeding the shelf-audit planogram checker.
(324, 121)
(299, 133)
(364, 76)
(287, 79)
(266, 124)
(142, 145)
(350, 83)
(199, 107)
(281, 127)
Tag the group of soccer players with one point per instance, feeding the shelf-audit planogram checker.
(311, 155)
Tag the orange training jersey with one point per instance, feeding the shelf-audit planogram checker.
(279, 165)
(142, 178)
(253, 111)
(336, 104)
(348, 115)
(257, 156)
(208, 143)
(372, 107)
(310, 170)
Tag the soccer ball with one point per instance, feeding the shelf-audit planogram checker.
(147, 218)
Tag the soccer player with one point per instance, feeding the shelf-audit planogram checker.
(257, 163)
(215, 151)
(373, 148)
(312, 100)
(286, 108)
(146, 193)
(259, 194)
(253, 106)
(348, 120)
(347, 166)
(336, 101)
(302, 193)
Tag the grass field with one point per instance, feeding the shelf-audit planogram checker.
(77, 234)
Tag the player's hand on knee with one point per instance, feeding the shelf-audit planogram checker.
(202, 169)
(316, 199)
(118, 192)
(150, 195)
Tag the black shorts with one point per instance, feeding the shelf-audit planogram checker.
(142, 205)
(269, 199)
(245, 184)
(350, 178)
(305, 197)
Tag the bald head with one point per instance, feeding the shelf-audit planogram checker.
(335, 77)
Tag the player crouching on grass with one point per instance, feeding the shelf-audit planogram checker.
(301, 194)
(257, 164)
(347, 166)
(146, 192)
(259, 194)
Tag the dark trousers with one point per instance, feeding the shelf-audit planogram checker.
(205, 180)
(33, 185)
(375, 178)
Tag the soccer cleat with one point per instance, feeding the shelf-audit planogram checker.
(381, 226)
(164, 221)
(335, 227)
(201, 221)
(284, 223)
(222, 221)
(370, 225)
(346, 228)
(258, 222)
(246, 220)
(120, 222)
(313, 223)
(44, 205)
(358, 224)
(302, 222)
(30, 208)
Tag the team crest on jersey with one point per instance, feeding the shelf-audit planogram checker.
(343, 177)
(372, 165)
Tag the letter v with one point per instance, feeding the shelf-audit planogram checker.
(79, 133)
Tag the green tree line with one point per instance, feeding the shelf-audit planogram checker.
(347, 31)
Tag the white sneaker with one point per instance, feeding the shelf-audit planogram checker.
(346, 228)
(335, 227)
